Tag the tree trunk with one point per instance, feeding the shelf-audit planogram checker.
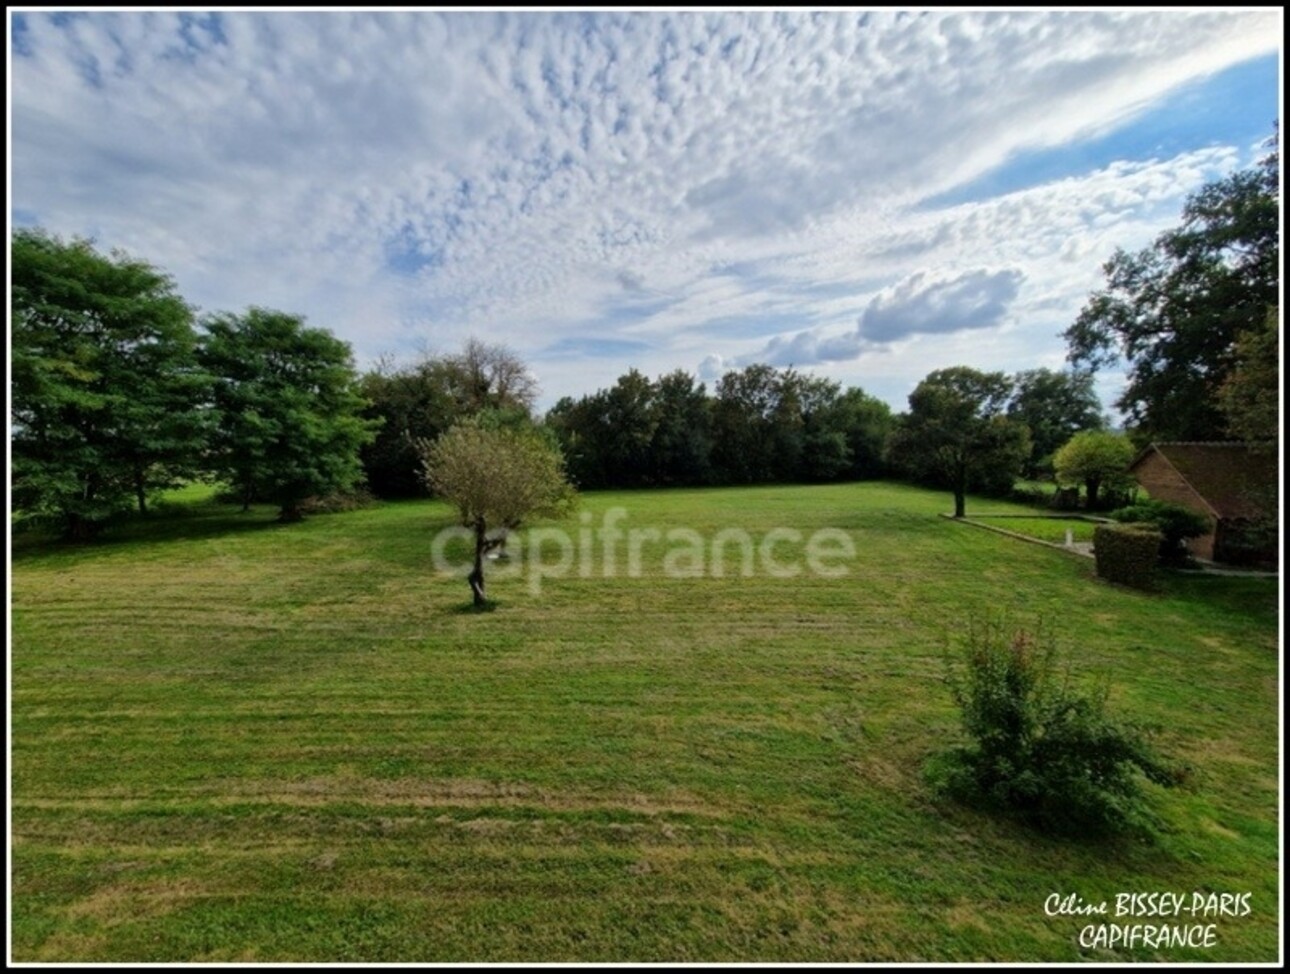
(140, 492)
(1092, 484)
(960, 501)
(246, 498)
(476, 577)
(81, 529)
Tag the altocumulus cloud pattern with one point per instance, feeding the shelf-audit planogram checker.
(838, 189)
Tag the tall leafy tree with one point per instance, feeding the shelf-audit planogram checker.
(107, 395)
(423, 399)
(1174, 311)
(1054, 405)
(1249, 395)
(750, 424)
(411, 402)
(578, 429)
(957, 433)
(821, 447)
(629, 421)
(682, 444)
(288, 408)
(866, 422)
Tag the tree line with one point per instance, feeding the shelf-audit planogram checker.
(119, 390)
(758, 424)
(761, 424)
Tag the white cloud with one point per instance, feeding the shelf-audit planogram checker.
(712, 184)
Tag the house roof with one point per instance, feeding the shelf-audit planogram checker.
(1234, 480)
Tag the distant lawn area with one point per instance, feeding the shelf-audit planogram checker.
(235, 740)
(1051, 529)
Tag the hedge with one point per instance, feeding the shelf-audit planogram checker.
(1127, 553)
(1175, 522)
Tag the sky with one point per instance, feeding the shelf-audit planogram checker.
(865, 195)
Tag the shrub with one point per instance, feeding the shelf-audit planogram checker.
(1033, 495)
(1118, 495)
(1175, 522)
(1241, 541)
(1065, 499)
(1038, 749)
(337, 501)
(1127, 554)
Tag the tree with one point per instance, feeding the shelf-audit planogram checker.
(813, 444)
(484, 375)
(866, 423)
(577, 427)
(1094, 458)
(754, 429)
(1249, 396)
(497, 476)
(682, 445)
(107, 396)
(764, 424)
(628, 416)
(1175, 310)
(609, 436)
(423, 399)
(411, 402)
(1054, 406)
(956, 431)
(287, 406)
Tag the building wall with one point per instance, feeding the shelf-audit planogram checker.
(1159, 479)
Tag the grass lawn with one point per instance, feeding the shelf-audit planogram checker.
(235, 740)
(1050, 529)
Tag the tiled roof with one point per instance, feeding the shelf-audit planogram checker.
(1234, 479)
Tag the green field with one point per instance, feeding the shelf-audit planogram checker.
(1050, 529)
(234, 740)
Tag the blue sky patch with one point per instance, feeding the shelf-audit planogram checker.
(1233, 107)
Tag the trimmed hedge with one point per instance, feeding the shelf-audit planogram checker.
(1127, 553)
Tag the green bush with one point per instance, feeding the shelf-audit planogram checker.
(1243, 541)
(1033, 495)
(1039, 750)
(1175, 522)
(1065, 499)
(1127, 554)
(338, 501)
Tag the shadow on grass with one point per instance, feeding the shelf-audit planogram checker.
(1252, 597)
(173, 523)
(470, 609)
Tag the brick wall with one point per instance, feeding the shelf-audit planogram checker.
(1159, 479)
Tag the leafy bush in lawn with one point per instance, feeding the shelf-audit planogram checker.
(1174, 522)
(1039, 749)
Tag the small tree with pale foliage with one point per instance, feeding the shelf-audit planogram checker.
(1096, 459)
(497, 478)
